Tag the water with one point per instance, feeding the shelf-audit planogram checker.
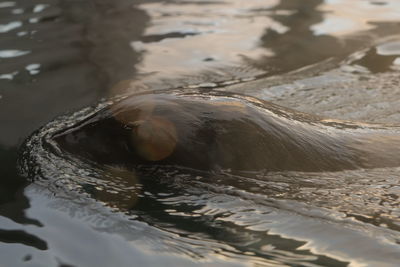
(337, 59)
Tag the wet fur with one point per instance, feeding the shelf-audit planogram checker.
(219, 130)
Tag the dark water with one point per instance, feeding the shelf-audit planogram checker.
(337, 59)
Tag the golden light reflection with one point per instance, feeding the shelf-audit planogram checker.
(123, 192)
(143, 110)
(154, 138)
(378, 149)
(230, 105)
(344, 17)
(215, 34)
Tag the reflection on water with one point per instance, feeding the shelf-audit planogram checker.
(274, 36)
(64, 55)
(333, 58)
(12, 53)
(10, 26)
(218, 33)
(382, 58)
(344, 17)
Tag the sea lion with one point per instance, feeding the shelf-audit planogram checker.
(213, 130)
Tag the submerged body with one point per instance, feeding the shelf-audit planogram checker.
(218, 130)
(111, 154)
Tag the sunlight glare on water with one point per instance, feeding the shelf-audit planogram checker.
(345, 17)
(196, 36)
(60, 60)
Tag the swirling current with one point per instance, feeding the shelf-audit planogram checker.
(200, 133)
(325, 175)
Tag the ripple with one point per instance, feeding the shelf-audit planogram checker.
(12, 53)
(39, 8)
(10, 26)
(33, 68)
(6, 4)
(293, 218)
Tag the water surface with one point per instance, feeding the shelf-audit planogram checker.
(337, 59)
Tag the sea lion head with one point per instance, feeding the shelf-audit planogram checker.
(210, 131)
(162, 128)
